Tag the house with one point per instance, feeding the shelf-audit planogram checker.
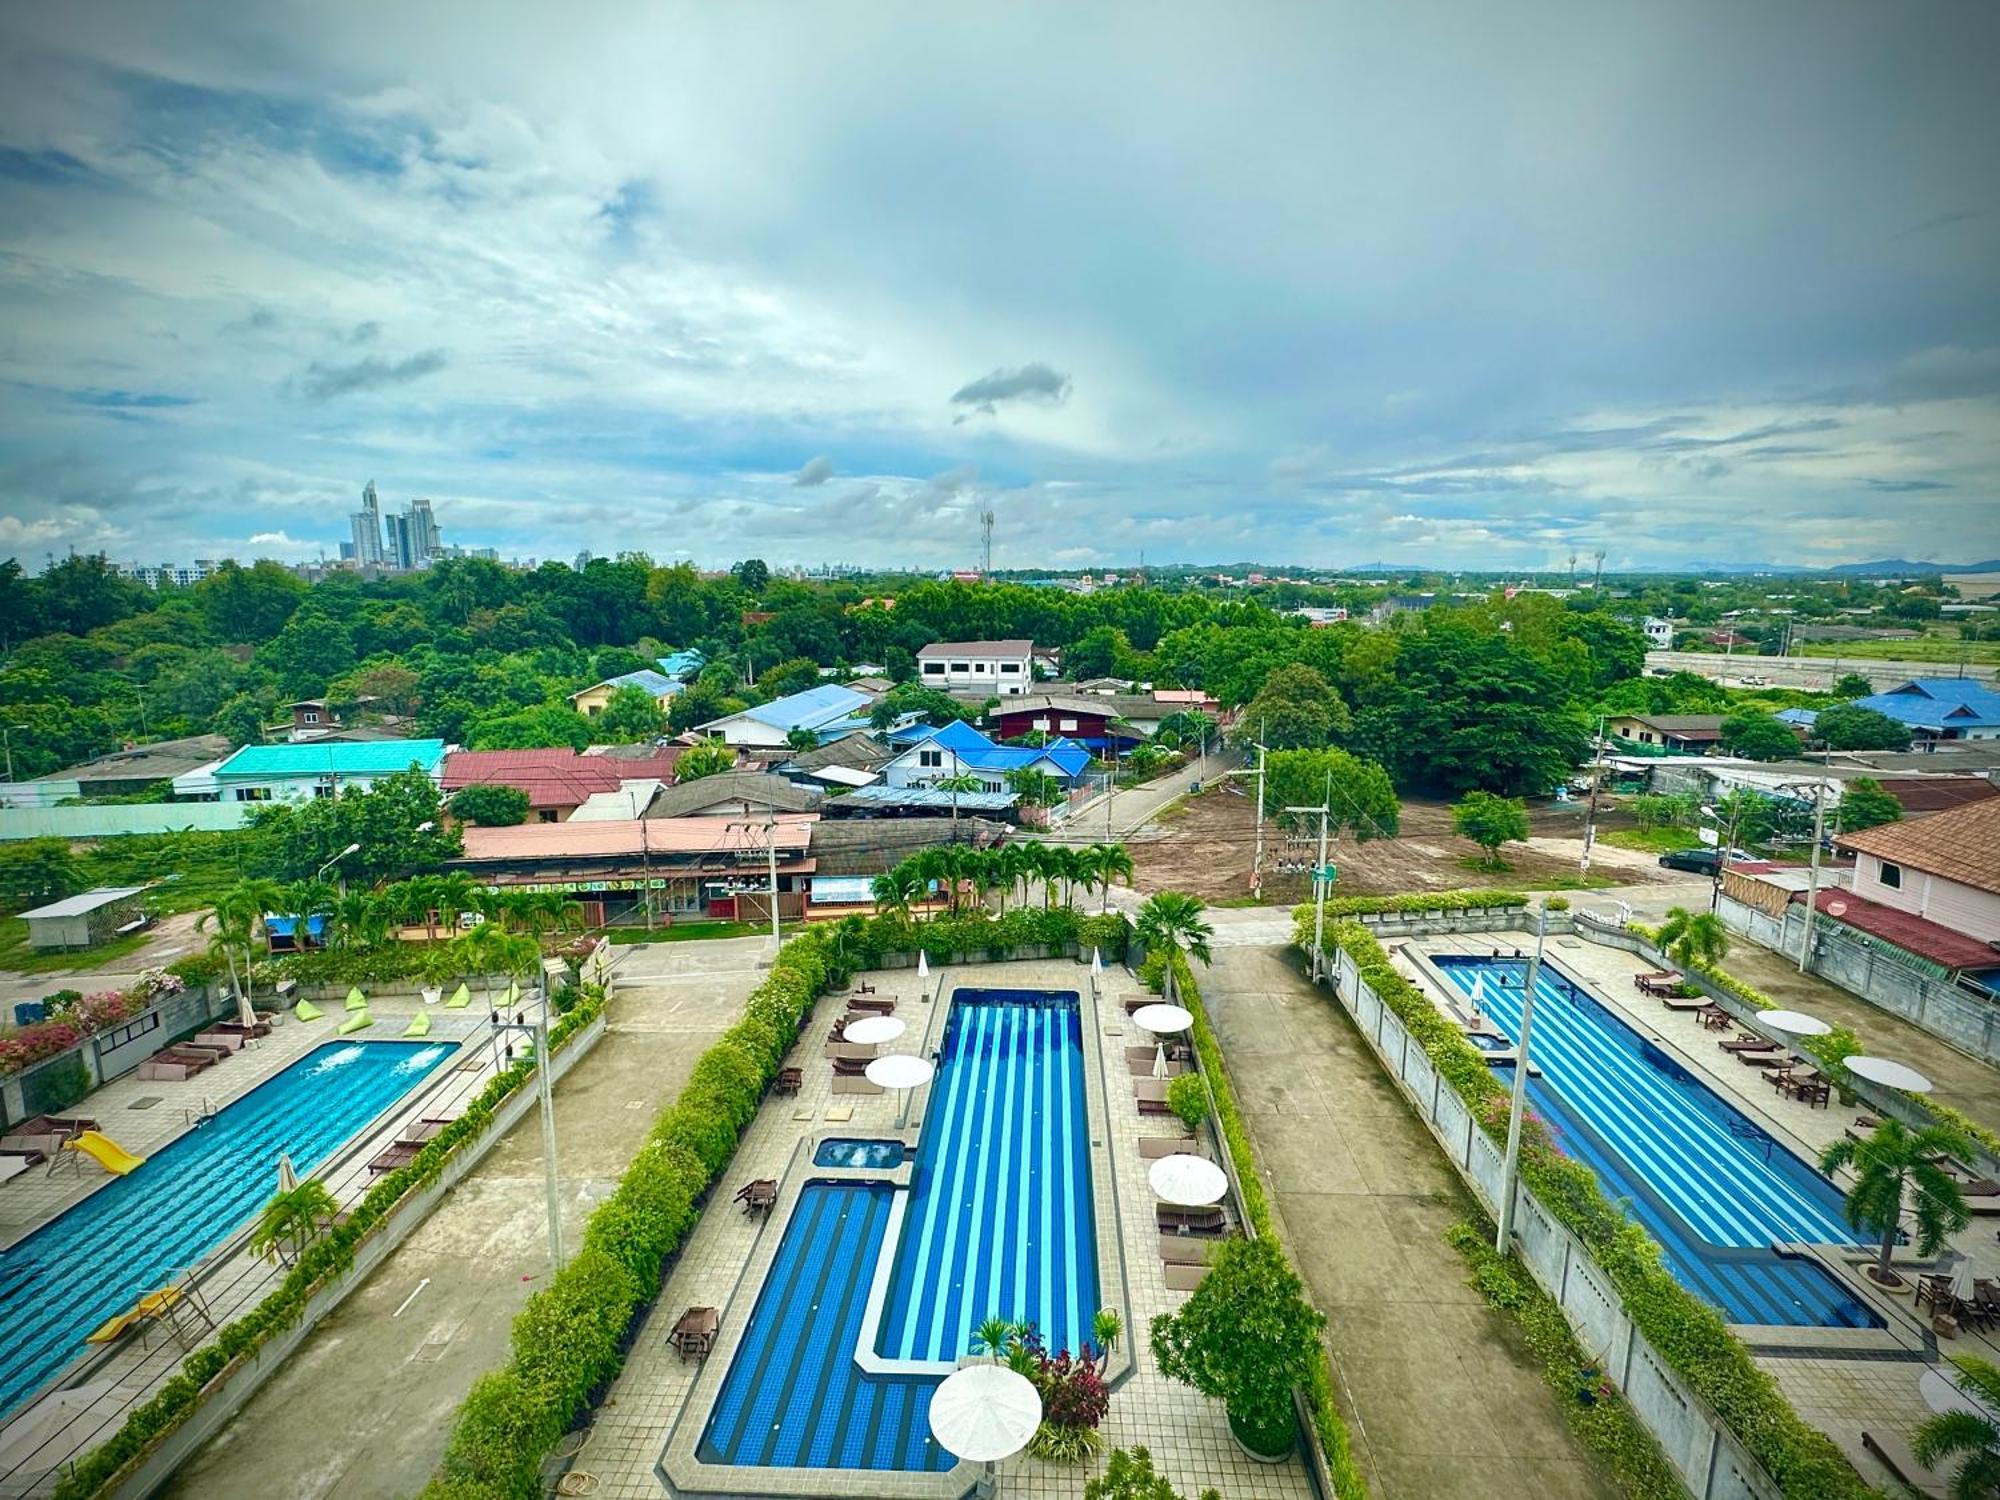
(1104, 722)
(657, 685)
(1399, 604)
(1317, 616)
(557, 782)
(301, 772)
(852, 760)
(86, 920)
(828, 710)
(322, 719)
(1729, 640)
(1187, 700)
(685, 867)
(1680, 734)
(999, 669)
(1941, 708)
(122, 771)
(1659, 633)
(734, 794)
(1931, 887)
(933, 754)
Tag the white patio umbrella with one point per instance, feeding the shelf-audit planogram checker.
(1096, 960)
(1965, 1280)
(985, 1413)
(246, 1013)
(868, 1030)
(1160, 1061)
(902, 1072)
(46, 1418)
(1889, 1073)
(1793, 1022)
(1187, 1180)
(288, 1175)
(1163, 1020)
(923, 964)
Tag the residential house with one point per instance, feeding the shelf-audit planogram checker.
(734, 794)
(852, 760)
(1941, 708)
(1678, 734)
(1926, 796)
(998, 669)
(1317, 616)
(657, 685)
(1659, 633)
(829, 711)
(301, 772)
(1931, 887)
(880, 801)
(122, 771)
(931, 754)
(557, 782)
(1106, 723)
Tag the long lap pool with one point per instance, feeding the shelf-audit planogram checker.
(997, 1222)
(141, 1231)
(1713, 1186)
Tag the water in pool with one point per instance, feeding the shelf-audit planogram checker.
(880, 1155)
(139, 1232)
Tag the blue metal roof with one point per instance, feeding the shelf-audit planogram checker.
(323, 758)
(957, 735)
(927, 797)
(810, 709)
(1939, 704)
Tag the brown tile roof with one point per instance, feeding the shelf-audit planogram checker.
(1961, 845)
(623, 837)
(1929, 794)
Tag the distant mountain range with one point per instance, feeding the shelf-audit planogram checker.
(1904, 565)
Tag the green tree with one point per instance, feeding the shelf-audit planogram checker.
(753, 574)
(1170, 920)
(709, 758)
(314, 648)
(241, 720)
(1851, 685)
(1692, 937)
(1971, 1437)
(1756, 735)
(1246, 1337)
(1187, 730)
(490, 805)
(1889, 1163)
(1034, 786)
(293, 1220)
(82, 592)
(801, 738)
(630, 715)
(1359, 792)
(1864, 804)
(1296, 709)
(1491, 821)
(547, 727)
(1131, 1476)
(34, 872)
(249, 605)
(1847, 726)
(234, 921)
(1097, 653)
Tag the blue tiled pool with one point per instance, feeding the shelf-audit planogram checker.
(1709, 1183)
(139, 1232)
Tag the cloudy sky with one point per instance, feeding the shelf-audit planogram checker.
(1483, 285)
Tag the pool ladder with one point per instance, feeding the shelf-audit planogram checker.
(199, 1117)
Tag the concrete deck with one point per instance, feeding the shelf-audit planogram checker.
(1442, 1400)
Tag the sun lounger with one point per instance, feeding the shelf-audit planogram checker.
(1683, 1007)
(1153, 1147)
(693, 1333)
(879, 1006)
(1183, 1278)
(174, 1066)
(850, 1051)
(305, 1010)
(1769, 1059)
(14, 1163)
(1173, 1216)
(1747, 1043)
(45, 1133)
(1191, 1249)
(1154, 1107)
(1899, 1460)
(1149, 1088)
(397, 1154)
(228, 1041)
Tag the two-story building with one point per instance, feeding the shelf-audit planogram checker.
(301, 772)
(656, 685)
(999, 669)
(1944, 869)
(930, 755)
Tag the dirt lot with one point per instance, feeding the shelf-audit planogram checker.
(1204, 845)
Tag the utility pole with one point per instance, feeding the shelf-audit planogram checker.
(645, 860)
(1510, 1167)
(1590, 813)
(1812, 883)
(1321, 880)
(1257, 858)
(771, 855)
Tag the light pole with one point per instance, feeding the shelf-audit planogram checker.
(1510, 1166)
(1590, 812)
(1728, 844)
(538, 1032)
(7, 739)
(350, 849)
(1812, 884)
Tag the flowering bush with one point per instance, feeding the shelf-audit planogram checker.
(29, 1045)
(72, 1018)
(154, 985)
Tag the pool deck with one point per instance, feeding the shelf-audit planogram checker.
(1843, 1381)
(646, 1430)
(231, 1280)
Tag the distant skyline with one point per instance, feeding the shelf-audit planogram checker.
(1466, 286)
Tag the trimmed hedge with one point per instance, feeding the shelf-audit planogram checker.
(1687, 1333)
(1347, 1481)
(1371, 906)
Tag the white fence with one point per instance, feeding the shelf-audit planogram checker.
(109, 820)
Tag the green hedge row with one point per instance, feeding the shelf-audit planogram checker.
(1347, 1480)
(323, 1260)
(1369, 906)
(1687, 1332)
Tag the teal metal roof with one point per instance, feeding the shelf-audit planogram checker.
(359, 758)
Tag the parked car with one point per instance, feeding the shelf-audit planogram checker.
(1695, 861)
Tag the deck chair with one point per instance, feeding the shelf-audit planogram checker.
(420, 1024)
(305, 1010)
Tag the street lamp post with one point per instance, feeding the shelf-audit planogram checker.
(350, 849)
(1510, 1167)
(538, 1032)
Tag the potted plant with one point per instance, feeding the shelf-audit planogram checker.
(1187, 1097)
(1247, 1338)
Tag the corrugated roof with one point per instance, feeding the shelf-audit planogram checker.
(1918, 935)
(657, 683)
(809, 709)
(869, 846)
(1938, 704)
(928, 797)
(760, 788)
(975, 648)
(1929, 794)
(85, 902)
(855, 751)
(373, 758)
(162, 760)
(1961, 845)
(617, 837)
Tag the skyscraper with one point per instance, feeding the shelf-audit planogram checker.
(366, 524)
(403, 542)
(423, 535)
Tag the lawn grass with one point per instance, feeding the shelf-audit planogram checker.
(18, 958)
(692, 932)
(1652, 840)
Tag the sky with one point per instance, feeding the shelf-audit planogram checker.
(1466, 285)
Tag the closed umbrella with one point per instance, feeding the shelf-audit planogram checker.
(1096, 960)
(923, 964)
(1160, 1061)
(48, 1417)
(288, 1177)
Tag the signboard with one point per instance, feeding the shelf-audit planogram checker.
(1710, 837)
(584, 887)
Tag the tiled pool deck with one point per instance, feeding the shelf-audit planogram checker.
(1874, 1388)
(233, 1280)
(645, 1433)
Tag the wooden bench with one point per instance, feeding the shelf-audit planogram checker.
(1153, 1147)
(1181, 1278)
(693, 1333)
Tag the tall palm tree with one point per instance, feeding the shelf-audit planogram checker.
(234, 920)
(1889, 1160)
(897, 889)
(1111, 863)
(416, 900)
(1173, 920)
(359, 921)
(1691, 937)
(457, 893)
(1972, 1435)
(292, 1220)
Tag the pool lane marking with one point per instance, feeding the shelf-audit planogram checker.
(819, 1410)
(911, 1266)
(732, 1407)
(807, 1329)
(411, 1298)
(1004, 1197)
(980, 1076)
(1040, 1198)
(1024, 1181)
(1066, 1208)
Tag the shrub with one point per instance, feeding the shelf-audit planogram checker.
(1187, 1097)
(1130, 1476)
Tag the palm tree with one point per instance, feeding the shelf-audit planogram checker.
(457, 893)
(234, 920)
(359, 921)
(1888, 1160)
(993, 1338)
(291, 1221)
(1110, 863)
(416, 900)
(1692, 937)
(1173, 920)
(490, 949)
(1972, 1434)
(897, 888)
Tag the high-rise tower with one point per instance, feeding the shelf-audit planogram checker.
(366, 524)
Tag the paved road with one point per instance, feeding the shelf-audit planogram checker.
(1132, 810)
(1441, 1397)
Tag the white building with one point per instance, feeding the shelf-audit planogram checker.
(1659, 633)
(1000, 668)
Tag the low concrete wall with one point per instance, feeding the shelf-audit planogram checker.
(1704, 1453)
(112, 819)
(224, 1396)
(178, 1015)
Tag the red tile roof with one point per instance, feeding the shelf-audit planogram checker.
(1907, 930)
(1929, 794)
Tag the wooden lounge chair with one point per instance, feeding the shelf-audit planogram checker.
(758, 1197)
(1175, 1217)
(880, 1006)
(1144, 1089)
(174, 1065)
(1683, 1007)
(397, 1154)
(1640, 981)
(1769, 1059)
(693, 1333)
(1153, 1147)
(1747, 1042)
(1183, 1278)
(14, 1163)
(789, 1081)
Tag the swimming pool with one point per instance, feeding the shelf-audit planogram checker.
(794, 1395)
(1713, 1186)
(841, 1152)
(1000, 1220)
(138, 1232)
